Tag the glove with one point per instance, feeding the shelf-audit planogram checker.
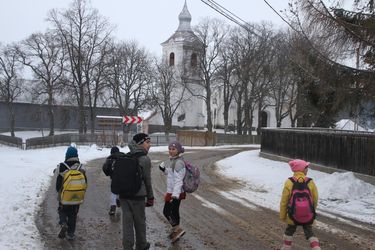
(150, 202)
(168, 197)
(162, 167)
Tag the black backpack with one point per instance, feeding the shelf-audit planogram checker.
(127, 175)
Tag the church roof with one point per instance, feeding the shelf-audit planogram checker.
(184, 33)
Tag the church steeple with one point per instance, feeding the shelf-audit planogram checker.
(185, 19)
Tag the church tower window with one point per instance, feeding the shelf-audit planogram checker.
(194, 60)
(171, 59)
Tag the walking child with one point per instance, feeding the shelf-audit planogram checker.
(71, 183)
(175, 170)
(298, 204)
(108, 169)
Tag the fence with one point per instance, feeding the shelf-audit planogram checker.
(196, 138)
(109, 138)
(237, 139)
(11, 141)
(347, 150)
(100, 139)
(63, 139)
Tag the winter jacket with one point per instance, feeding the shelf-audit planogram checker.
(175, 171)
(62, 169)
(108, 164)
(145, 163)
(287, 192)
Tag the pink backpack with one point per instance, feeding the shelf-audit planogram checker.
(301, 207)
(191, 179)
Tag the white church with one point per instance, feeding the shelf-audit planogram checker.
(180, 51)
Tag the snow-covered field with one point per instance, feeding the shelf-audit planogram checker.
(26, 175)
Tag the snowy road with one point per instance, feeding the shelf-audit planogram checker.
(211, 220)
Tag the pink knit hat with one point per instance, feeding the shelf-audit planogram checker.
(298, 165)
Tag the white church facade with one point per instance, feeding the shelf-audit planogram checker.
(180, 51)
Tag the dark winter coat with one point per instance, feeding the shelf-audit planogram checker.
(108, 164)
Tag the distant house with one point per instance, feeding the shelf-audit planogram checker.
(347, 124)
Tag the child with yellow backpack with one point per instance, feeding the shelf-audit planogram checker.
(71, 184)
(298, 205)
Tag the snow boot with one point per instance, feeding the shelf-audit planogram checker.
(173, 229)
(178, 232)
(62, 233)
(112, 210)
(147, 246)
(287, 244)
(314, 243)
(70, 237)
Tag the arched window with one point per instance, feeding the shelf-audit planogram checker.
(264, 117)
(194, 60)
(171, 59)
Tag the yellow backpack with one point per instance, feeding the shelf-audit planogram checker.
(74, 186)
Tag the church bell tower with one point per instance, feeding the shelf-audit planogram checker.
(181, 51)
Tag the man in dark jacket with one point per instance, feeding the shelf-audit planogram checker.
(133, 207)
(68, 213)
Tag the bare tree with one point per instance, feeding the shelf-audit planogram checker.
(44, 55)
(229, 82)
(83, 32)
(96, 79)
(129, 77)
(212, 33)
(10, 82)
(282, 89)
(250, 52)
(168, 94)
(241, 57)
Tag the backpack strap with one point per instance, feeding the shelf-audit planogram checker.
(136, 157)
(307, 180)
(66, 165)
(293, 179)
(69, 168)
(79, 166)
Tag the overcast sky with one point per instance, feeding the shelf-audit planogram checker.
(150, 22)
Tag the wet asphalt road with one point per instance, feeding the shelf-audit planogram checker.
(211, 220)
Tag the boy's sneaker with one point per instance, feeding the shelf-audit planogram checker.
(118, 203)
(177, 234)
(70, 237)
(62, 233)
(112, 210)
(147, 246)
